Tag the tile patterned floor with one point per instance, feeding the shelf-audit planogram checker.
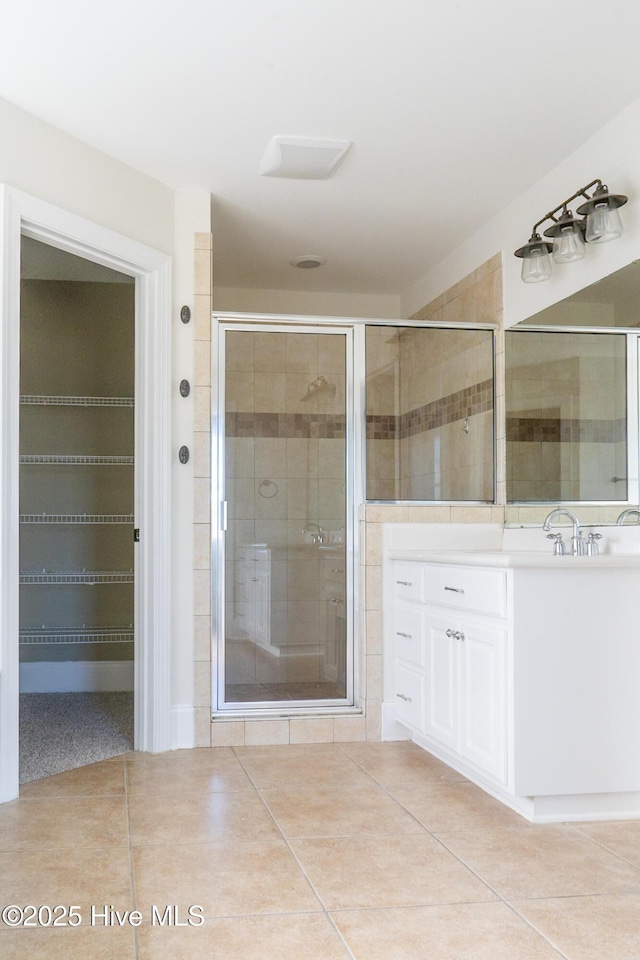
(366, 851)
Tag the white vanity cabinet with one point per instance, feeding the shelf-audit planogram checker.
(522, 672)
(450, 660)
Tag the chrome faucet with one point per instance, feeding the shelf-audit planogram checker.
(628, 513)
(578, 546)
(315, 532)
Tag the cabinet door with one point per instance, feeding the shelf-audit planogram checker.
(442, 707)
(483, 717)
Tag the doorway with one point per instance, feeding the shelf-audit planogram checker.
(24, 215)
(285, 610)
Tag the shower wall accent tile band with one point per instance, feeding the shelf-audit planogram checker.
(298, 426)
(456, 406)
(477, 398)
(559, 430)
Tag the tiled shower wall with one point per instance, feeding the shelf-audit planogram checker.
(429, 414)
(476, 298)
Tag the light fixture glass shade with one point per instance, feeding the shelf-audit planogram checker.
(568, 244)
(536, 264)
(603, 223)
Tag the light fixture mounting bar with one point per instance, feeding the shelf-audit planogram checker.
(582, 192)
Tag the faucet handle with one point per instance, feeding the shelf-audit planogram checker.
(558, 544)
(592, 544)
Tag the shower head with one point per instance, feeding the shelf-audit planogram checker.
(318, 386)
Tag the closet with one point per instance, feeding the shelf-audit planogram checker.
(76, 474)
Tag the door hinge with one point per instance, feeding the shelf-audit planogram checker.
(136, 535)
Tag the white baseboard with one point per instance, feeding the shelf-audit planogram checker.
(391, 729)
(76, 676)
(183, 727)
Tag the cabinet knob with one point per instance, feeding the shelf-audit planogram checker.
(404, 583)
(455, 589)
(407, 636)
(455, 634)
(403, 697)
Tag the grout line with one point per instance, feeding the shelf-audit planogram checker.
(132, 878)
(529, 923)
(297, 861)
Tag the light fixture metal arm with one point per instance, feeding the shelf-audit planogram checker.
(582, 192)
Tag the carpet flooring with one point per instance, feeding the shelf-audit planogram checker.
(62, 731)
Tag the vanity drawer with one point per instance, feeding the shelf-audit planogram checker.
(409, 697)
(409, 644)
(466, 588)
(407, 581)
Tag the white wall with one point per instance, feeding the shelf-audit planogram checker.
(613, 154)
(300, 303)
(49, 164)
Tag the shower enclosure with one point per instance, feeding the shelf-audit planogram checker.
(285, 556)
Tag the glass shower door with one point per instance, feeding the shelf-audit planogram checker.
(286, 634)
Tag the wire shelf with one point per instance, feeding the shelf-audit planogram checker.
(76, 518)
(76, 459)
(42, 635)
(78, 401)
(88, 577)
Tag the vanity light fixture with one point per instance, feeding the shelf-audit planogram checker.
(568, 233)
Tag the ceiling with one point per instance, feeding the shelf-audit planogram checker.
(454, 108)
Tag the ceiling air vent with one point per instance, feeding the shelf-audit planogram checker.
(302, 158)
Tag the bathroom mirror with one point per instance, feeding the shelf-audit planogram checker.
(571, 397)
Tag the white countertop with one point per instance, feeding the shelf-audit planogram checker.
(518, 558)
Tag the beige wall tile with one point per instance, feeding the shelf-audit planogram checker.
(311, 731)
(373, 719)
(202, 638)
(201, 408)
(271, 352)
(201, 317)
(373, 587)
(270, 392)
(202, 726)
(471, 514)
(259, 732)
(374, 677)
(201, 454)
(202, 684)
(373, 551)
(202, 272)
(202, 546)
(373, 624)
(349, 729)
(227, 733)
(202, 364)
(202, 499)
(202, 592)
(203, 241)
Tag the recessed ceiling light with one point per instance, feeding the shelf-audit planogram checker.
(308, 262)
(302, 158)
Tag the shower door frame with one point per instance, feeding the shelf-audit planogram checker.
(354, 489)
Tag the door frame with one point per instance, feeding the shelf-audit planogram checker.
(354, 393)
(22, 214)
